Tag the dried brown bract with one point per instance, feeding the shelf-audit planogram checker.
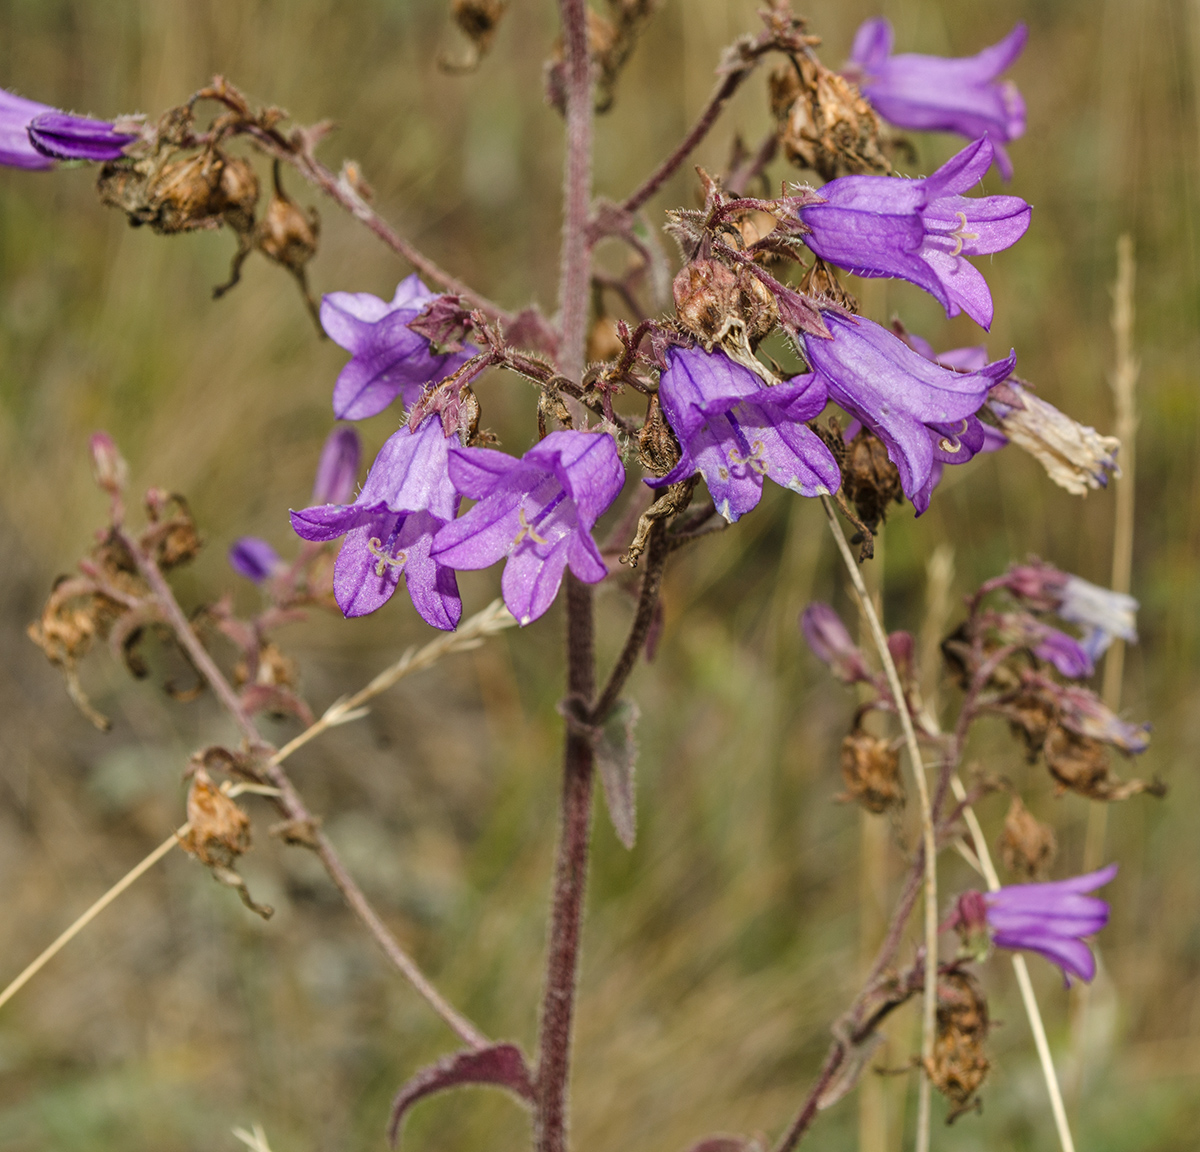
(658, 450)
(1027, 846)
(478, 21)
(958, 1066)
(172, 535)
(824, 122)
(218, 833)
(870, 481)
(611, 41)
(1081, 764)
(871, 771)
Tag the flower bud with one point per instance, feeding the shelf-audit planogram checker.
(827, 637)
(254, 558)
(337, 470)
(108, 465)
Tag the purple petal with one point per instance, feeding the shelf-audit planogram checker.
(16, 149)
(485, 534)
(363, 580)
(531, 581)
(411, 473)
(337, 470)
(476, 472)
(873, 44)
(64, 137)
(328, 521)
(588, 466)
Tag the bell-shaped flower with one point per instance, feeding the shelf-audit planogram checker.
(934, 93)
(734, 430)
(919, 230)
(538, 511)
(34, 135)
(408, 496)
(337, 470)
(255, 559)
(1051, 918)
(388, 359)
(911, 404)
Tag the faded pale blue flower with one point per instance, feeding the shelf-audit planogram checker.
(735, 431)
(1052, 919)
(537, 511)
(337, 470)
(919, 230)
(1103, 614)
(34, 135)
(914, 406)
(408, 496)
(935, 93)
(388, 359)
(1084, 713)
(255, 559)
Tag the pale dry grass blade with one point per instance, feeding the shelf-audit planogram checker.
(488, 622)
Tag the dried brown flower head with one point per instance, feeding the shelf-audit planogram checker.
(871, 771)
(824, 122)
(1027, 846)
(958, 1066)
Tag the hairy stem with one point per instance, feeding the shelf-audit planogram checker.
(570, 883)
(575, 265)
(928, 834)
(289, 800)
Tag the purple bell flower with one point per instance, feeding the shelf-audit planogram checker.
(1051, 918)
(538, 511)
(255, 559)
(408, 496)
(934, 93)
(920, 230)
(34, 135)
(735, 431)
(388, 359)
(337, 470)
(914, 406)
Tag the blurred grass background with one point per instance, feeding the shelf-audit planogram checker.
(720, 949)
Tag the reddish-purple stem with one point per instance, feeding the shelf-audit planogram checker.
(570, 883)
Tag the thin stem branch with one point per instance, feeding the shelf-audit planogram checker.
(570, 883)
(289, 801)
(728, 84)
(656, 560)
(342, 192)
(575, 264)
(929, 1014)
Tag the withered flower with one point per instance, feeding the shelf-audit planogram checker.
(958, 1066)
(871, 771)
(824, 122)
(1027, 846)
